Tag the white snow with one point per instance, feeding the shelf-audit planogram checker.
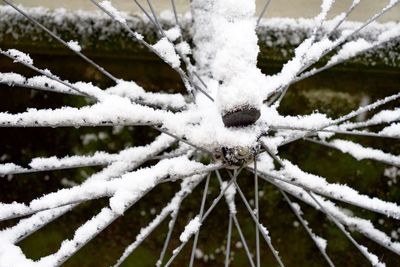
(340, 192)
(191, 228)
(230, 193)
(74, 45)
(167, 52)
(119, 16)
(173, 34)
(359, 152)
(10, 168)
(350, 49)
(19, 56)
(392, 130)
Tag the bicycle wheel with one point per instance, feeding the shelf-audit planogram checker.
(229, 121)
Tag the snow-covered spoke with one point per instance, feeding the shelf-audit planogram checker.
(343, 16)
(322, 122)
(131, 161)
(346, 37)
(27, 226)
(353, 49)
(263, 230)
(372, 258)
(230, 201)
(24, 59)
(124, 89)
(257, 209)
(124, 197)
(171, 226)
(54, 163)
(194, 225)
(292, 174)
(363, 226)
(117, 189)
(187, 186)
(382, 117)
(360, 152)
(315, 51)
(164, 49)
(196, 237)
(137, 94)
(37, 83)
(319, 241)
(72, 45)
(111, 112)
(336, 131)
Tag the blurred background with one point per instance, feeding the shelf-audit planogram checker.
(281, 8)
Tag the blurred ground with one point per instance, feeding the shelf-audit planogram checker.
(281, 8)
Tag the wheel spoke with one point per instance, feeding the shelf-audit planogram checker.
(228, 241)
(172, 208)
(243, 239)
(344, 39)
(336, 131)
(139, 38)
(263, 230)
(364, 251)
(265, 7)
(97, 189)
(40, 25)
(257, 211)
(158, 25)
(362, 226)
(232, 210)
(348, 116)
(206, 214)
(41, 83)
(196, 237)
(359, 152)
(284, 87)
(182, 140)
(171, 227)
(353, 6)
(176, 15)
(334, 63)
(11, 54)
(304, 223)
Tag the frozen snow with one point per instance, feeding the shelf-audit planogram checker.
(74, 45)
(359, 152)
(19, 56)
(119, 16)
(191, 228)
(167, 52)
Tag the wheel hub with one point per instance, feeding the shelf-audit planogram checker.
(236, 157)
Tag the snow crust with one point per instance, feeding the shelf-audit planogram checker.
(119, 16)
(359, 152)
(167, 51)
(337, 191)
(19, 56)
(74, 45)
(230, 193)
(191, 228)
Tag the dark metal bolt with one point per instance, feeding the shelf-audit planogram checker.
(241, 117)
